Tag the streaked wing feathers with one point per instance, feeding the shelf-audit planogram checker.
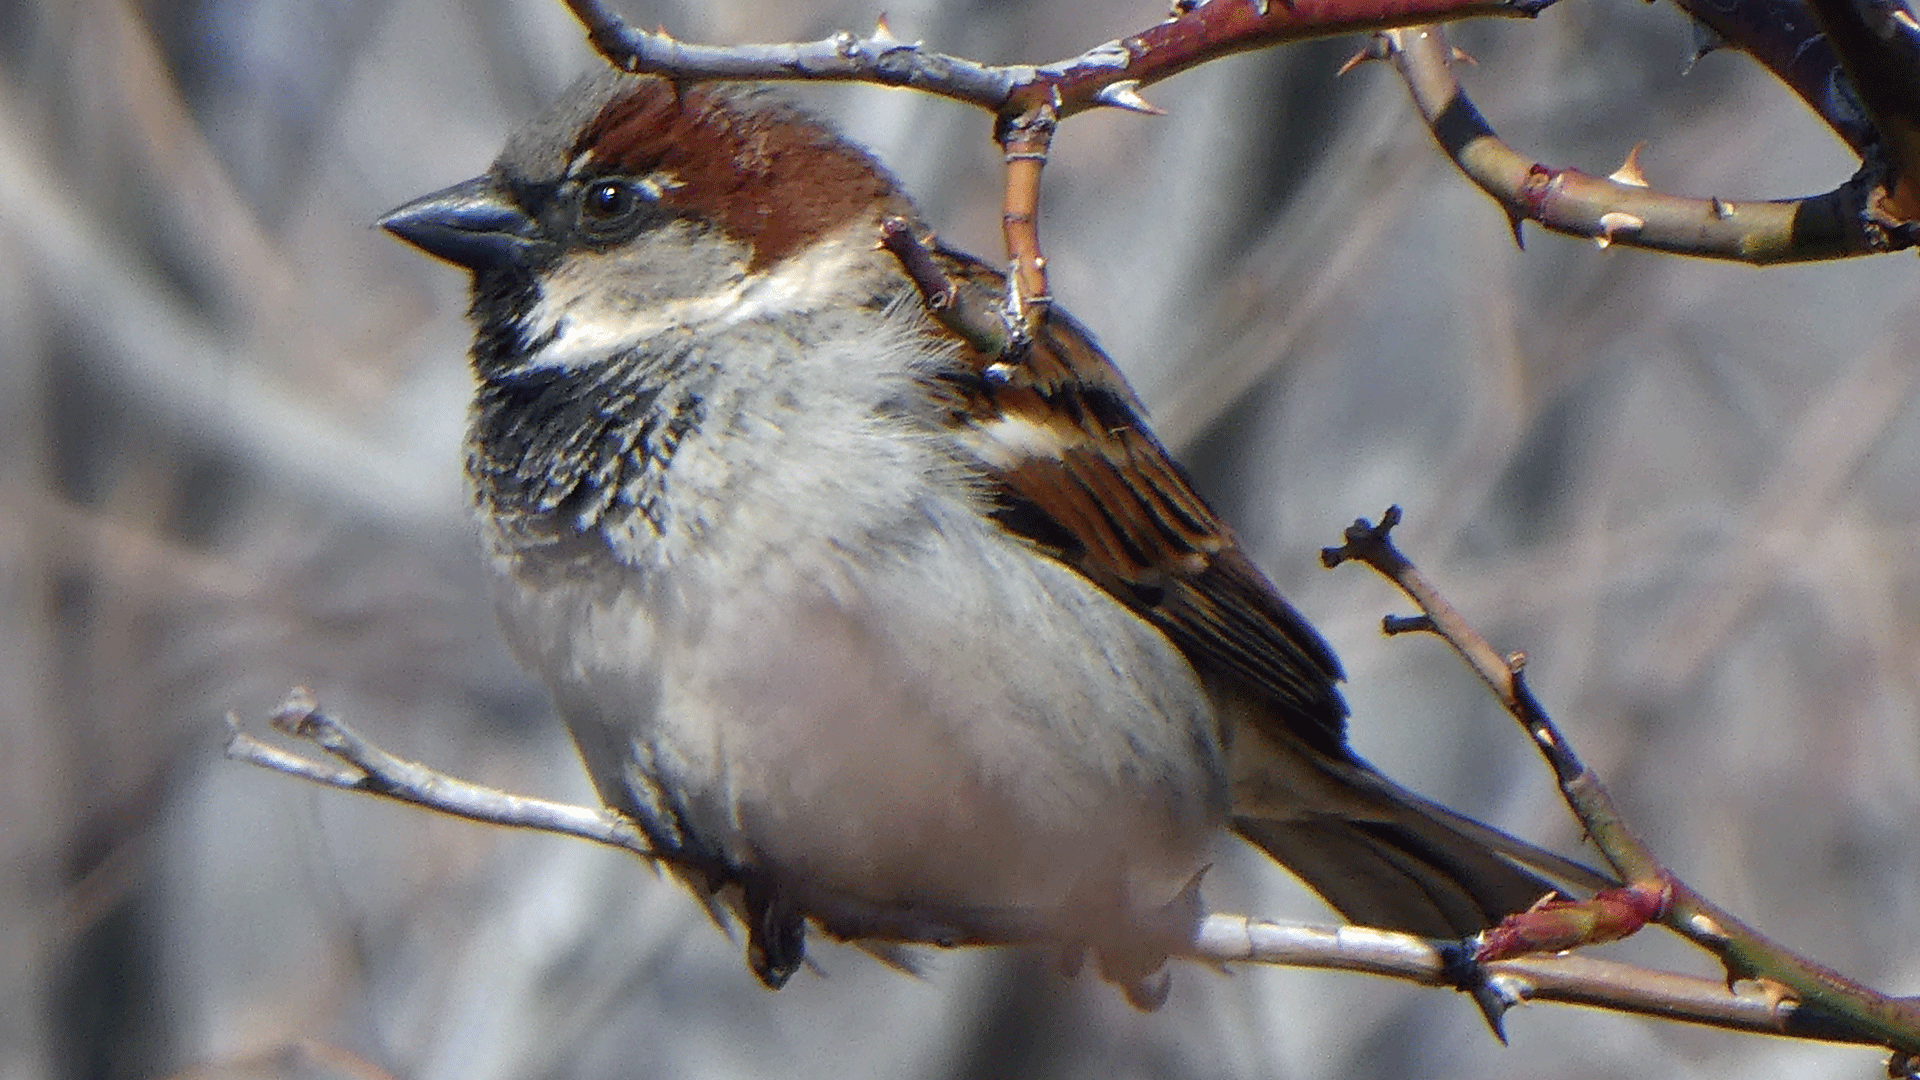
(1077, 472)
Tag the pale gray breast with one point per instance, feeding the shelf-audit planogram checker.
(811, 649)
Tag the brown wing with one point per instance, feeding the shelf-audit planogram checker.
(1076, 471)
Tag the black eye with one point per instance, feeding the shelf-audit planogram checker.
(610, 209)
(610, 199)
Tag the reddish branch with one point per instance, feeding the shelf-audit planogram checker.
(1823, 996)
(1028, 101)
(1876, 211)
(1026, 140)
(1074, 85)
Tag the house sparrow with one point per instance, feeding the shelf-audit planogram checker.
(863, 627)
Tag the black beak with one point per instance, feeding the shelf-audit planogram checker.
(473, 224)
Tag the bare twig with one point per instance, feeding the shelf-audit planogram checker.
(1219, 939)
(1835, 1000)
(957, 309)
(1622, 209)
(1564, 979)
(374, 771)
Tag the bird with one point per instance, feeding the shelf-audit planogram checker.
(869, 629)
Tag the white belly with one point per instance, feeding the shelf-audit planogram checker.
(975, 728)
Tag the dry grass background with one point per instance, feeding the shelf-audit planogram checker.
(229, 422)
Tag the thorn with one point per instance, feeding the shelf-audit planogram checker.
(1378, 47)
(1705, 40)
(1458, 55)
(1494, 994)
(1125, 94)
(1706, 929)
(1391, 625)
(1494, 1009)
(1514, 221)
(1722, 210)
(1613, 222)
(1072, 958)
(1780, 999)
(1150, 992)
(882, 32)
(1629, 170)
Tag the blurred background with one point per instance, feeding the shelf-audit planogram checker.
(230, 414)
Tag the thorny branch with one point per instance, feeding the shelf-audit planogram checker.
(360, 765)
(1858, 71)
(1622, 209)
(1107, 75)
(1820, 995)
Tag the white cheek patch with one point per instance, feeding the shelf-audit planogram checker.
(594, 304)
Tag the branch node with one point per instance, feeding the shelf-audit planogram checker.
(295, 715)
(1363, 540)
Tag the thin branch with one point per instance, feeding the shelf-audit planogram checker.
(1565, 979)
(1835, 1000)
(1026, 140)
(374, 771)
(1189, 38)
(1219, 939)
(946, 302)
(1621, 210)
(1028, 102)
